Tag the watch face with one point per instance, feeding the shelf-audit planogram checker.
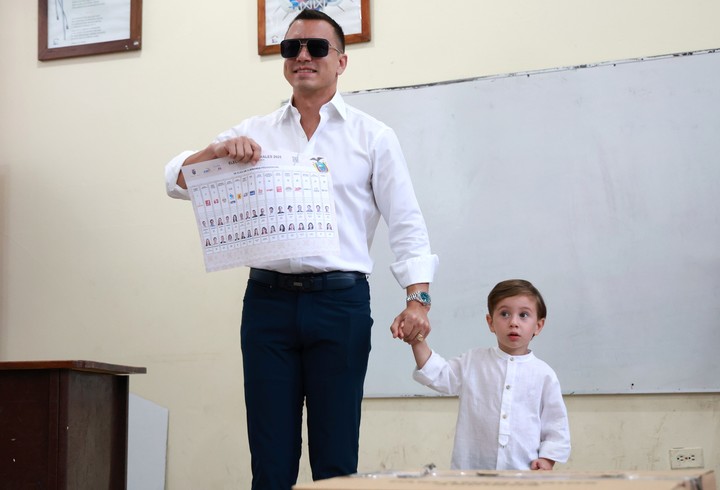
(421, 296)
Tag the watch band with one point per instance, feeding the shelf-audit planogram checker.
(422, 297)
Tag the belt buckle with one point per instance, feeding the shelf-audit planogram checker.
(308, 283)
(300, 283)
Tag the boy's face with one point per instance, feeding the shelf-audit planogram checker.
(514, 322)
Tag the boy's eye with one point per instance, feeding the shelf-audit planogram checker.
(504, 314)
(524, 315)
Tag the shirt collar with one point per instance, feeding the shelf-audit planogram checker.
(504, 355)
(337, 103)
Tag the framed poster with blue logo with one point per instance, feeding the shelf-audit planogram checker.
(274, 17)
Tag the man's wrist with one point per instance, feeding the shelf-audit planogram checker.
(422, 297)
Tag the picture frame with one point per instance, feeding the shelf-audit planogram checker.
(71, 29)
(274, 17)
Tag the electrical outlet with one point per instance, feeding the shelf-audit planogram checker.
(686, 457)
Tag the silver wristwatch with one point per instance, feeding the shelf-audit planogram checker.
(421, 297)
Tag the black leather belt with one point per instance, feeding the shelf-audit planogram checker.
(307, 282)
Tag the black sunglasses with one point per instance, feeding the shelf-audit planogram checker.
(317, 48)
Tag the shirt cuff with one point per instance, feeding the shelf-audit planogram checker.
(430, 371)
(556, 451)
(415, 270)
(172, 171)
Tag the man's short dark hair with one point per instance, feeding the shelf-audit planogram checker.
(310, 14)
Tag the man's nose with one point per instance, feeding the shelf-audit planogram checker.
(304, 53)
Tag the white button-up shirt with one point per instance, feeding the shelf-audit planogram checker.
(511, 408)
(370, 179)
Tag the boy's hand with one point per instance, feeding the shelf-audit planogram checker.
(542, 464)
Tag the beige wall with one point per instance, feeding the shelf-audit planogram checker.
(97, 263)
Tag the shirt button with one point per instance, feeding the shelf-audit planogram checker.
(512, 359)
(505, 416)
(507, 387)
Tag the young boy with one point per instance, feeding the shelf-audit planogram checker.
(512, 415)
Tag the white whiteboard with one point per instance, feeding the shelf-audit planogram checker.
(601, 185)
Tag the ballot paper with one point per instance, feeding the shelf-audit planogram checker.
(280, 208)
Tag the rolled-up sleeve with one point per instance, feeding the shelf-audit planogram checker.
(172, 171)
(415, 270)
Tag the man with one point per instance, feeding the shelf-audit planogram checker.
(306, 322)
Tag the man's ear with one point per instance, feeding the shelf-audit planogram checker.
(342, 64)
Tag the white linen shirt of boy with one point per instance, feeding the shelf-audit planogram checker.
(370, 179)
(510, 412)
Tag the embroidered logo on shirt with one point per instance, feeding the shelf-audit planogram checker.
(320, 164)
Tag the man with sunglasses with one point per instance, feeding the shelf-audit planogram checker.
(306, 322)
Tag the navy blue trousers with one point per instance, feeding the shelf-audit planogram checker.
(311, 348)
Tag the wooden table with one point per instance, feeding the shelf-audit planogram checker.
(63, 424)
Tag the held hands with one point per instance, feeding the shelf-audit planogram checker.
(412, 325)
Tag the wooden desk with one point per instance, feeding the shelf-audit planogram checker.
(63, 424)
(699, 479)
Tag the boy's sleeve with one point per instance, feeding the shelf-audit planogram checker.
(555, 429)
(440, 375)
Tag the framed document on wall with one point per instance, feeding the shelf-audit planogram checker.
(73, 28)
(274, 17)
